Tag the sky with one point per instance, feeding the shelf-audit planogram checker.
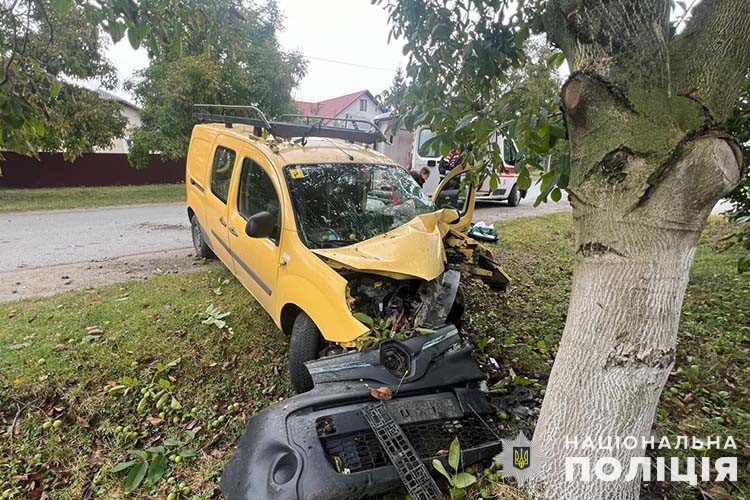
(352, 32)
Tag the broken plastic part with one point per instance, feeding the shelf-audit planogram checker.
(400, 451)
(318, 445)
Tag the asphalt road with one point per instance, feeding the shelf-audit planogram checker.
(40, 239)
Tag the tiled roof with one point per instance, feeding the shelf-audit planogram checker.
(331, 107)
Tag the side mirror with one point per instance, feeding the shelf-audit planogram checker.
(261, 225)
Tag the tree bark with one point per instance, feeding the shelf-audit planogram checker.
(649, 160)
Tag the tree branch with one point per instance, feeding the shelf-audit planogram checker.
(711, 58)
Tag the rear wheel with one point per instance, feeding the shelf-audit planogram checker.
(514, 198)
(199, 244)
(304, 345)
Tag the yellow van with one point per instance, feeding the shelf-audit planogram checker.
(332, 238)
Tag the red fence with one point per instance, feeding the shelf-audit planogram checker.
(90, 169)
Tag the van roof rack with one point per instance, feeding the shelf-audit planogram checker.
(289, 126)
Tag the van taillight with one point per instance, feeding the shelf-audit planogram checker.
(510, 170)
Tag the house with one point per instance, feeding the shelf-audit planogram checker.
(132, 113)
(359, 105)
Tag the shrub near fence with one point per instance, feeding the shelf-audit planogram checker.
(90, 169)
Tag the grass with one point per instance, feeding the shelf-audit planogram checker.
(58, 354)
(18, 200)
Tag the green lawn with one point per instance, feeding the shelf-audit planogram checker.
(60, 358)
(16, 200)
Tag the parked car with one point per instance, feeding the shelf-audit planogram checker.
(329, 236)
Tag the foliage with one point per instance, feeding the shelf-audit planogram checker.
(458, 480)
(393, 97)
(212, 52)
(80, 120)
(215, 316)
(473, 71)
(383, 328)
(739, 126)
(41, 43)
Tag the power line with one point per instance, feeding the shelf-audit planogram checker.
(390, 70)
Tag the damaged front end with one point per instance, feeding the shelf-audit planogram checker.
(338, 442)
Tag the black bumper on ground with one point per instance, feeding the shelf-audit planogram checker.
(318, 445)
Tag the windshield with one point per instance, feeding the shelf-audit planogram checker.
(341, 204)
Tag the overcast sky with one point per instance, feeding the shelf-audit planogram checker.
(347, 31)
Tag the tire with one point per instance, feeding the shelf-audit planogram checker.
(199, 244)
(514, 198)
(304, 345)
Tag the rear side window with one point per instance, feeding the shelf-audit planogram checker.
(221, 172)
(257, 193)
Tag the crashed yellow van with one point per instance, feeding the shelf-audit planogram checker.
(333, 239)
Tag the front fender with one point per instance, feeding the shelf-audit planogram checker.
(310, 284)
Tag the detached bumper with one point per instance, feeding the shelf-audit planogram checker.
(318, 445)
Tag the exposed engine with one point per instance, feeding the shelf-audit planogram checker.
(427, 304)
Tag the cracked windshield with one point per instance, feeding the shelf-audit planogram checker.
(341, 204)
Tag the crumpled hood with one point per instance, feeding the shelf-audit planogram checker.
(414, 250)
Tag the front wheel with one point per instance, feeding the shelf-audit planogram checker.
(304, 345)
(514, 198)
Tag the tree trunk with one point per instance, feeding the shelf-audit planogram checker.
(649, 160)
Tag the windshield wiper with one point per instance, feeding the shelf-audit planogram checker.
(334, 243)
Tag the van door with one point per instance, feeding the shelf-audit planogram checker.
(256, 260)
(458, 191)
(222, 168)
(424, 156)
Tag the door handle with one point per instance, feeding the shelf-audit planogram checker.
(222, 221)
(232, 231)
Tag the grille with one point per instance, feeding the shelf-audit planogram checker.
(361, 451)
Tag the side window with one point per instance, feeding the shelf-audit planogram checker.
(257, 193)
(221, 172)
(510, 152)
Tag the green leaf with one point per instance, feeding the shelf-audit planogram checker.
(362, 317)
(187, 453)
(464, 480)
(457, 494)
(62, 6)
(556, 194)
(439, 467)
(138, 453)
(454, 455)
(156, 450)
(135, 42)
(55, 89)
(174, 404)
(135, 476)
(123, 465)
(172, 442)
(157, 468)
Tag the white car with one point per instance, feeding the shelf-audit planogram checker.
(507, 179)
